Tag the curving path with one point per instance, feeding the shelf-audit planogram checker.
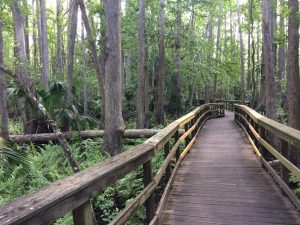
(221, 181)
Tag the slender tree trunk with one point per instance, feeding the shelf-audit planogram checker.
(26, 32)
(35, 53)
(249, 84)
(38, 21)
(147, 84)
(253, 82)
(140, 104)
(85, 91)
(59, 45)
(72, 29)
(92, 47)
(127, 64)
(114, 124)
(3, 95)
(209, 35)
(159, 107)
(45, 54)
(218, 50)
(242, 56)
(178, 97)
(268, 61)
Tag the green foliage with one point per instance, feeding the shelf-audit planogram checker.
(39, 166)
(293, 179)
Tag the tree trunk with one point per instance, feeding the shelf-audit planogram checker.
(218, 50)
(114, 125)
(45, 54)
(92, 47)
(22, 65)
(127, 64)
(35, 53)
(85, 134)
(26, 32)
(159, 107)
(38, 21)
(140, 103)
(209, 35)
(177, 87)
(59, 45)
(268, 61)
(253, 82)
(3, 95)
(85, 91)
(72, 29)
(293, 82)
(147, 84)
(242, 56)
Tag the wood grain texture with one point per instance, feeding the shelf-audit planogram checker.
(221, 181)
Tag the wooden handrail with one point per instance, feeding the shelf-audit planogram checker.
(257, 127)
(74, 192)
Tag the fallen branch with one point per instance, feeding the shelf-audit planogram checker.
(46, 137)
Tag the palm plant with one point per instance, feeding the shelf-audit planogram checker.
(54, 101)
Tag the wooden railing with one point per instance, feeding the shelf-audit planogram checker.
(73, 193)
(259, 130)
(228, 104)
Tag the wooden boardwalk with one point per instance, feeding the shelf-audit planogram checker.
(221, 181)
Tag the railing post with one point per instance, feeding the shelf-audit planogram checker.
(178, 149)
(262, 134)
(193, 123)
(255, 126)
(284, 147)
(149, 204)
(187, 139)
(166, 151)
(83, 215)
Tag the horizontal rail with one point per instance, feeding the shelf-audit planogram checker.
(258, 128)
(72, 193)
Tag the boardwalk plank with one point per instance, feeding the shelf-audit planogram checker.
(221, 181)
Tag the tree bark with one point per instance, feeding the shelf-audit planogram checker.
(72, 29)
(26, 32)
(35, 53)
(242, 56)
(209, 36)
(268, 61)
(59, 45)
(140, 98)
(85, 91)
(127, 64)
(293, 82)
(39, 36)
(218, 50)
(147, 85)
(177, 87)
(159, 106)
(114, 125)
(92, 47)
(253, 82)
(86, 134)
(44, 41)
(3, 94)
